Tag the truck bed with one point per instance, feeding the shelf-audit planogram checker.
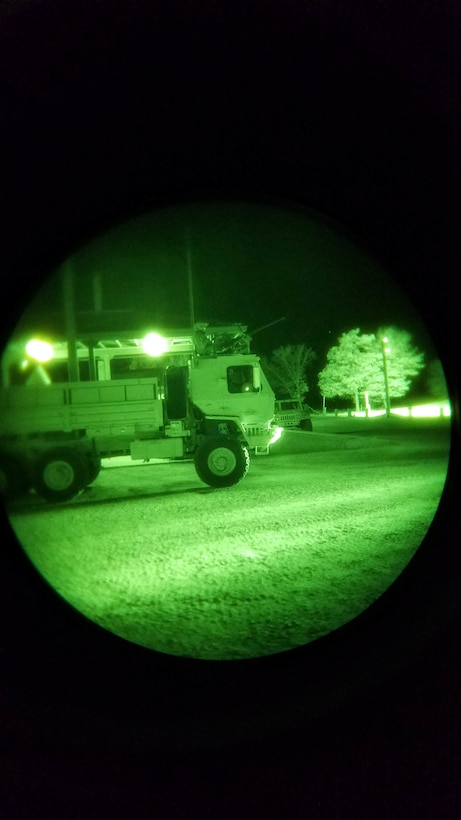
(129, 407)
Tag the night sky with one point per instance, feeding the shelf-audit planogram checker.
(250, 263)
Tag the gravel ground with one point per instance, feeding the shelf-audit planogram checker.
(311, 537)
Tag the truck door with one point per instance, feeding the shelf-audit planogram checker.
(176, 393)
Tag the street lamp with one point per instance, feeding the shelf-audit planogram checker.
(154, 345)
(39, 350)
(385, 350)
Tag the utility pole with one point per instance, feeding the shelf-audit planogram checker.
(68, 294)
(385, 350)
(97, 307)
(190, 283)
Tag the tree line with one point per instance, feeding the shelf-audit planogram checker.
(368, 369)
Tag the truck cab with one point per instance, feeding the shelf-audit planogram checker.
(234, 387)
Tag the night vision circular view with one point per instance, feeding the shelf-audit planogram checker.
(224, 430)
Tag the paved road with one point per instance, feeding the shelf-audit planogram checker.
(306, 542)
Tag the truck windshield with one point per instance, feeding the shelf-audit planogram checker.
(240, 379)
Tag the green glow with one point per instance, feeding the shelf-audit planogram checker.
(315, 535)
(39, 350)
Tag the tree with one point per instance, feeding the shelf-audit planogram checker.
(378, 366)
(349, 367)
(287, 368)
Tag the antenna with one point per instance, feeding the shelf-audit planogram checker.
(264, 327)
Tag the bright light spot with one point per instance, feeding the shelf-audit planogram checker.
(154, 345)
(39, 350)
(277, 433)
(365, 413)
(401, 411)
(431, 410)
(442, 409)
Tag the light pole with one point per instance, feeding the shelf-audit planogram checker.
(385, 350)
(68, 292)
(190, 282)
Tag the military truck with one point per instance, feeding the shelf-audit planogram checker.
(211, 407)
(292, 413)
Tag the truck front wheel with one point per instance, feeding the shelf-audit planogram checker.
(60, 474)
(221, 463)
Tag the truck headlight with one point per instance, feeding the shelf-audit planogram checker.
(276, 435)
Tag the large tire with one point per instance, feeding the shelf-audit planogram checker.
(14, 477)
(222, 462)
(60, 473)
(94, 468)
(306, 424)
